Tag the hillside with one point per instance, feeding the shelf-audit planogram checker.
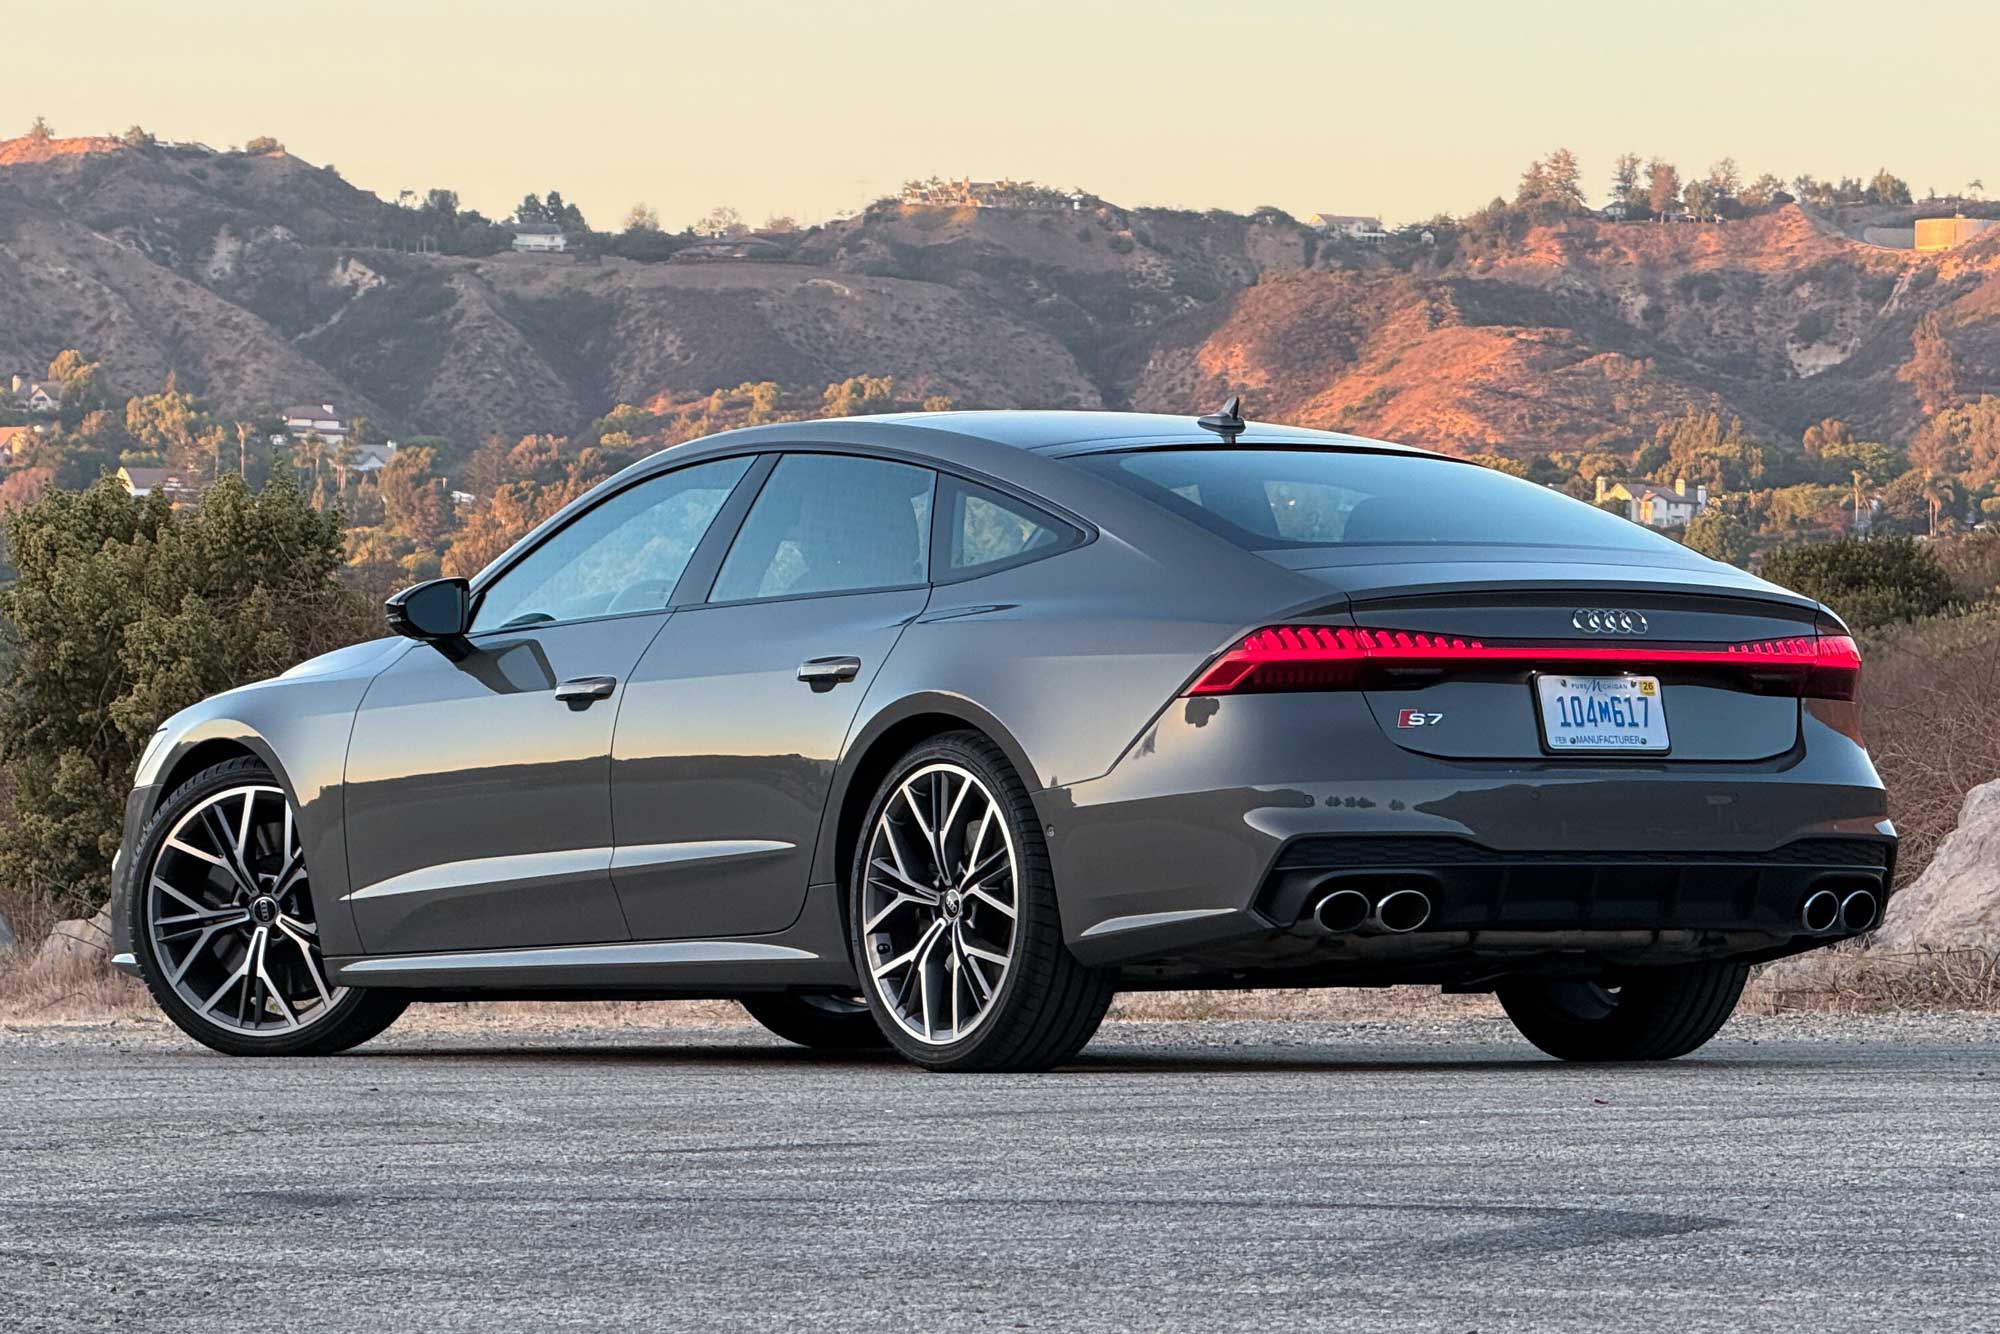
(259, 279)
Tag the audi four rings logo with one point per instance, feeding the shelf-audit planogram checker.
(1608, 622)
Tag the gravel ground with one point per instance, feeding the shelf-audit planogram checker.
(1421, 1172)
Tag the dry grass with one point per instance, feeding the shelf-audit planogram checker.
(1931, 741)
(1863, 982)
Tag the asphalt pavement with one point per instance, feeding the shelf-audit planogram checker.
(1809, 1175)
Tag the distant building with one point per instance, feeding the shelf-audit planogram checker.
(371, 459)
(315, 419)
(1352, 226)
(142, 482)
(43, 397)
(1616, 211)
(15, 442)
(752, 248)
(1944, 233)
(1653, 505)
(539, 238)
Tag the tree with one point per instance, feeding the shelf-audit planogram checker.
(642, 218)
(1699, 198)
(1828, 433)
(1963, 440)
(1870, 581)
(782, 224)
(171, 424)
(564, 215)
(1663, 187)
(531, 210)
(125, 612)
(138, 137)
(1932, 371)
(1554, 182)
(1939, 493)
(1625, 174)
(264, 144)
(1887, 189)
(1762, 192)
(1725, 183)
(721, 220)
(40, 131)
(414, 503)
(1719, 536)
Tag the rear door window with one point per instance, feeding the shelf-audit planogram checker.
(832, 523)
(1272, 499)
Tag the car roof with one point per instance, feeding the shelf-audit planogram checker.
(1073, 432)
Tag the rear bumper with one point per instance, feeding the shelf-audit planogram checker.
(1178, 863)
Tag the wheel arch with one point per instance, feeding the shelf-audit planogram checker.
(210, 745)
(885, 738)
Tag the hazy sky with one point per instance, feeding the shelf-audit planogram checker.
(1397, 107)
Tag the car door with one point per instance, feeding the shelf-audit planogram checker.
(737, 713)
(478, 775)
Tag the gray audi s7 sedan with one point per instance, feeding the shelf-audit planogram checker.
(935, 731)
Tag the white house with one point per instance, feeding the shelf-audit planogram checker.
(1652, 505)
(43, 397)
(1353, 226)
(371, 459)
(320, 420)
(539, 237)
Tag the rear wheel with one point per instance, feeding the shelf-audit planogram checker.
(1655, 1015)
(953, 920)
(225, 928)
(824, 1023)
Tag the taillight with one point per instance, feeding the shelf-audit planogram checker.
(1331, 657)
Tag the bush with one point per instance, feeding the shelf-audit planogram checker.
(125, 612)
(1869, 581)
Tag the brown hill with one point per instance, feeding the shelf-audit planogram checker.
(260, 279)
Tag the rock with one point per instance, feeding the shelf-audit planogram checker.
(1955, 903)
(76, 947)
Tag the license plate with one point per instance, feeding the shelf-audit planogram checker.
(1602, 713)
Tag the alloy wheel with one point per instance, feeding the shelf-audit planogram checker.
(230, 916)
(939, 900)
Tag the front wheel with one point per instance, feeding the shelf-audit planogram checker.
(1653, 1015)
(225, 927)
(953, 922)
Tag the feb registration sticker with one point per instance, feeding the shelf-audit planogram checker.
(1602, 713)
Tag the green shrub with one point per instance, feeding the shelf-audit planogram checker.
(1869, 581)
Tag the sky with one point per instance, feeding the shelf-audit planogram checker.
(813, 109)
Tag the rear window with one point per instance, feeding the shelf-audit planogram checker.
(1270, 499)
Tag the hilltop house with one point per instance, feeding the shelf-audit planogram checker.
(1352, 226)
(539, 238)
(320, 420)
(142, 482)
(1652, 505)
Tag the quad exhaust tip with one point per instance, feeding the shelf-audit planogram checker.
(1857, 910)
(1396, 913)
(1821, 911)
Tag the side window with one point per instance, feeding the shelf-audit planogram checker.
(624, 555)
(987, 528)
(830, 523)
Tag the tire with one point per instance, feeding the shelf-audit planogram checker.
(1043, 1005)
(824, 1023)
(1654, 1015)
(281, 1003)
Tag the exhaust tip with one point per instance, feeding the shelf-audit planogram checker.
(1821, 911)
(1857, 910)
(1403, 910)
(1342, 911)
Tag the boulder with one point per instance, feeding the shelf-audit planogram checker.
(76, 947)
(1955, 903)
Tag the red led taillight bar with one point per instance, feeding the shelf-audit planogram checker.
(1329, 657)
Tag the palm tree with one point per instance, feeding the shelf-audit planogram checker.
(1939, 491)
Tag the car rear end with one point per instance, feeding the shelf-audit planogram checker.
(1497, 734)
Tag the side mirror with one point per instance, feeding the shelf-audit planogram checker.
(435, 612)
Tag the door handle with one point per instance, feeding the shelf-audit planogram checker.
(824, 674)
(584, 691)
